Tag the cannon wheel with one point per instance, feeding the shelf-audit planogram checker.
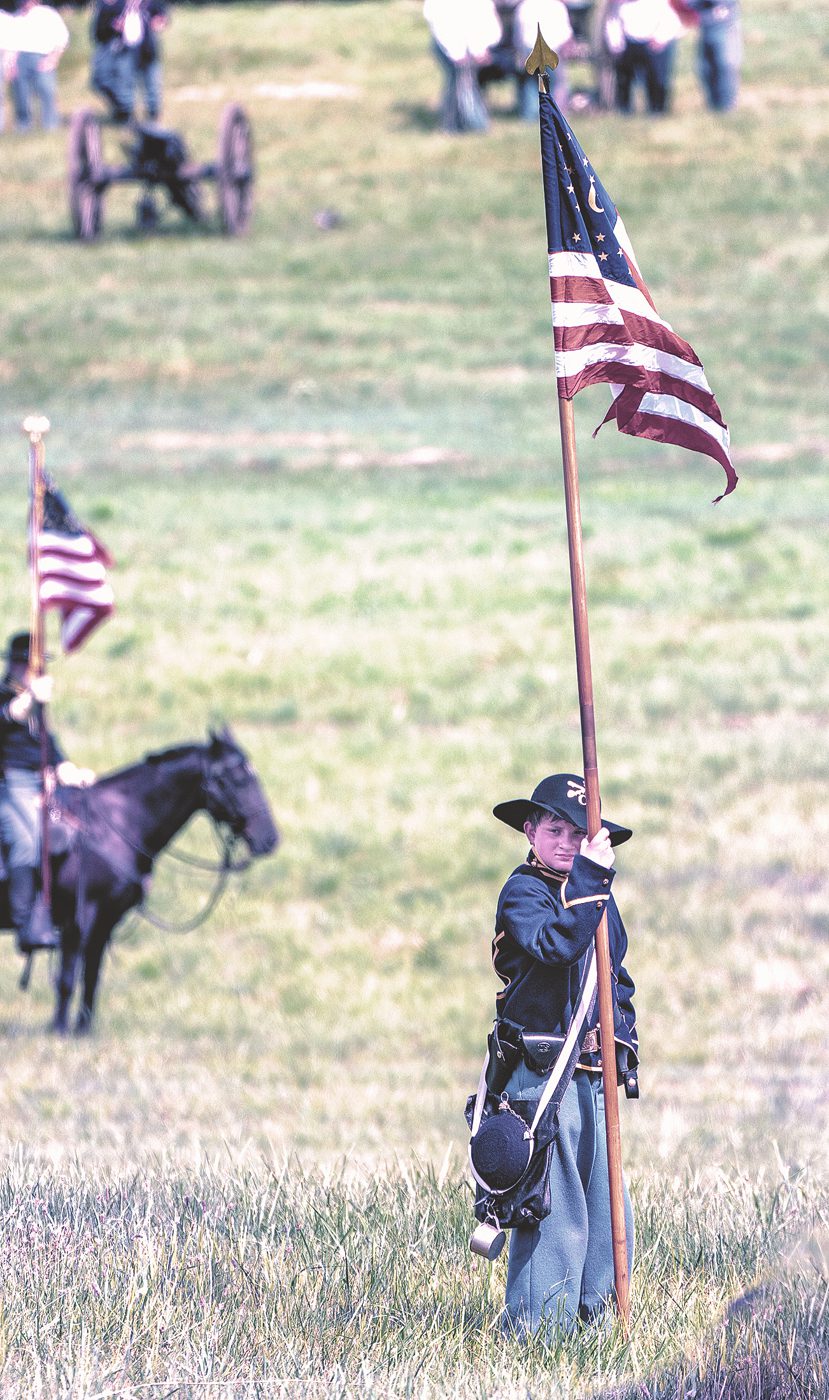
(234, 170)
(86, 177)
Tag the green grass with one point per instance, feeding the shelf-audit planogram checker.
(277, 1279)
(327, 466)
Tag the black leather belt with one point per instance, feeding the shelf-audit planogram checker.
(540, 1051)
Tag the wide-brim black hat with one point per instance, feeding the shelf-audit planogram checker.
(19, 650)
(562, 795)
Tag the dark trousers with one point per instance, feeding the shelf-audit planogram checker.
(652, 68)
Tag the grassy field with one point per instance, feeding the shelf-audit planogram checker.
(327, 465)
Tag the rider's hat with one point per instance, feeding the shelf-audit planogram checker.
(18, 649)
(562, 795)
(17, 652)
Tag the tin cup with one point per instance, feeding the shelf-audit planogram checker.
(488, 1241)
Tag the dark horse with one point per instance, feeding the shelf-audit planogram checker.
(115, 830)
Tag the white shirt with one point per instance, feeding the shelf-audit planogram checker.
(133, 29)
(463, 27)
(550, 16)
(6, 30)
(40, 30)
(646, 20)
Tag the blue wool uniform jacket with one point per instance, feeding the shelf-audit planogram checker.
(544, 930)
(20, 742)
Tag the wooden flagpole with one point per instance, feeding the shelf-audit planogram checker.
(584, 674)
(542, 60)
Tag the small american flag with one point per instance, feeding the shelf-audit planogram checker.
(605, 326)
(72, 567)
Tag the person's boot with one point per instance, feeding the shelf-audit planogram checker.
(30, 917)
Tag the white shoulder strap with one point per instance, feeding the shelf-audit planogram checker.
(565, 1060)
(568, 1055)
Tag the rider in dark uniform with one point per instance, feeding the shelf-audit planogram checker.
(21, 699)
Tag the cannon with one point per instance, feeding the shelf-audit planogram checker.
(158, 159)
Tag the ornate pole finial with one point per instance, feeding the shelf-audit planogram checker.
(542, 59)
(36, 426)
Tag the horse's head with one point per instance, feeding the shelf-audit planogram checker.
(233, 794)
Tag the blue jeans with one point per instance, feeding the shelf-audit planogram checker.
(31, 82)
(113, 76)
(526, 91)
(463, 106)
(20, 817)
(149, 78)
(719, 57)
(562, 1270)
(2, 92)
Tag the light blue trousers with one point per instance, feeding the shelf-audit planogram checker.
(20, 817)
(562, 1270)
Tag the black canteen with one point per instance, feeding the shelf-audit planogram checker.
(501, 1151)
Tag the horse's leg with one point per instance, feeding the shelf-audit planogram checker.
(96, 943)
(69, 951)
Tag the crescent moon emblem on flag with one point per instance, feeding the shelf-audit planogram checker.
(591, 200)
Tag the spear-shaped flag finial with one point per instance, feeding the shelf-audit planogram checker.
(542, 59)
(35, 426)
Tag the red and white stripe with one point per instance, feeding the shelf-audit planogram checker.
(73, 580)
(608, 332)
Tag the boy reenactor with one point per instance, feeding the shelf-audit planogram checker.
(561, 1269)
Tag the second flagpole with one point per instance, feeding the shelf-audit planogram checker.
(584, 673)
(36, 428)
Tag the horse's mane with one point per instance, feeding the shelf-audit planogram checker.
(174, 751)
(156, 757)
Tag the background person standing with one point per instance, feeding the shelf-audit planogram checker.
(463, 32)
(117, 35)
(6, 55)
(38, 36)
(719, 52)
(552, 17)
(642, 35)
(155, 16)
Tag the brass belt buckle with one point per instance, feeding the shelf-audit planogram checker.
(590, 1044)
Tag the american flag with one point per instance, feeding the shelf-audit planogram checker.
(72, 567)
(605, 326)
